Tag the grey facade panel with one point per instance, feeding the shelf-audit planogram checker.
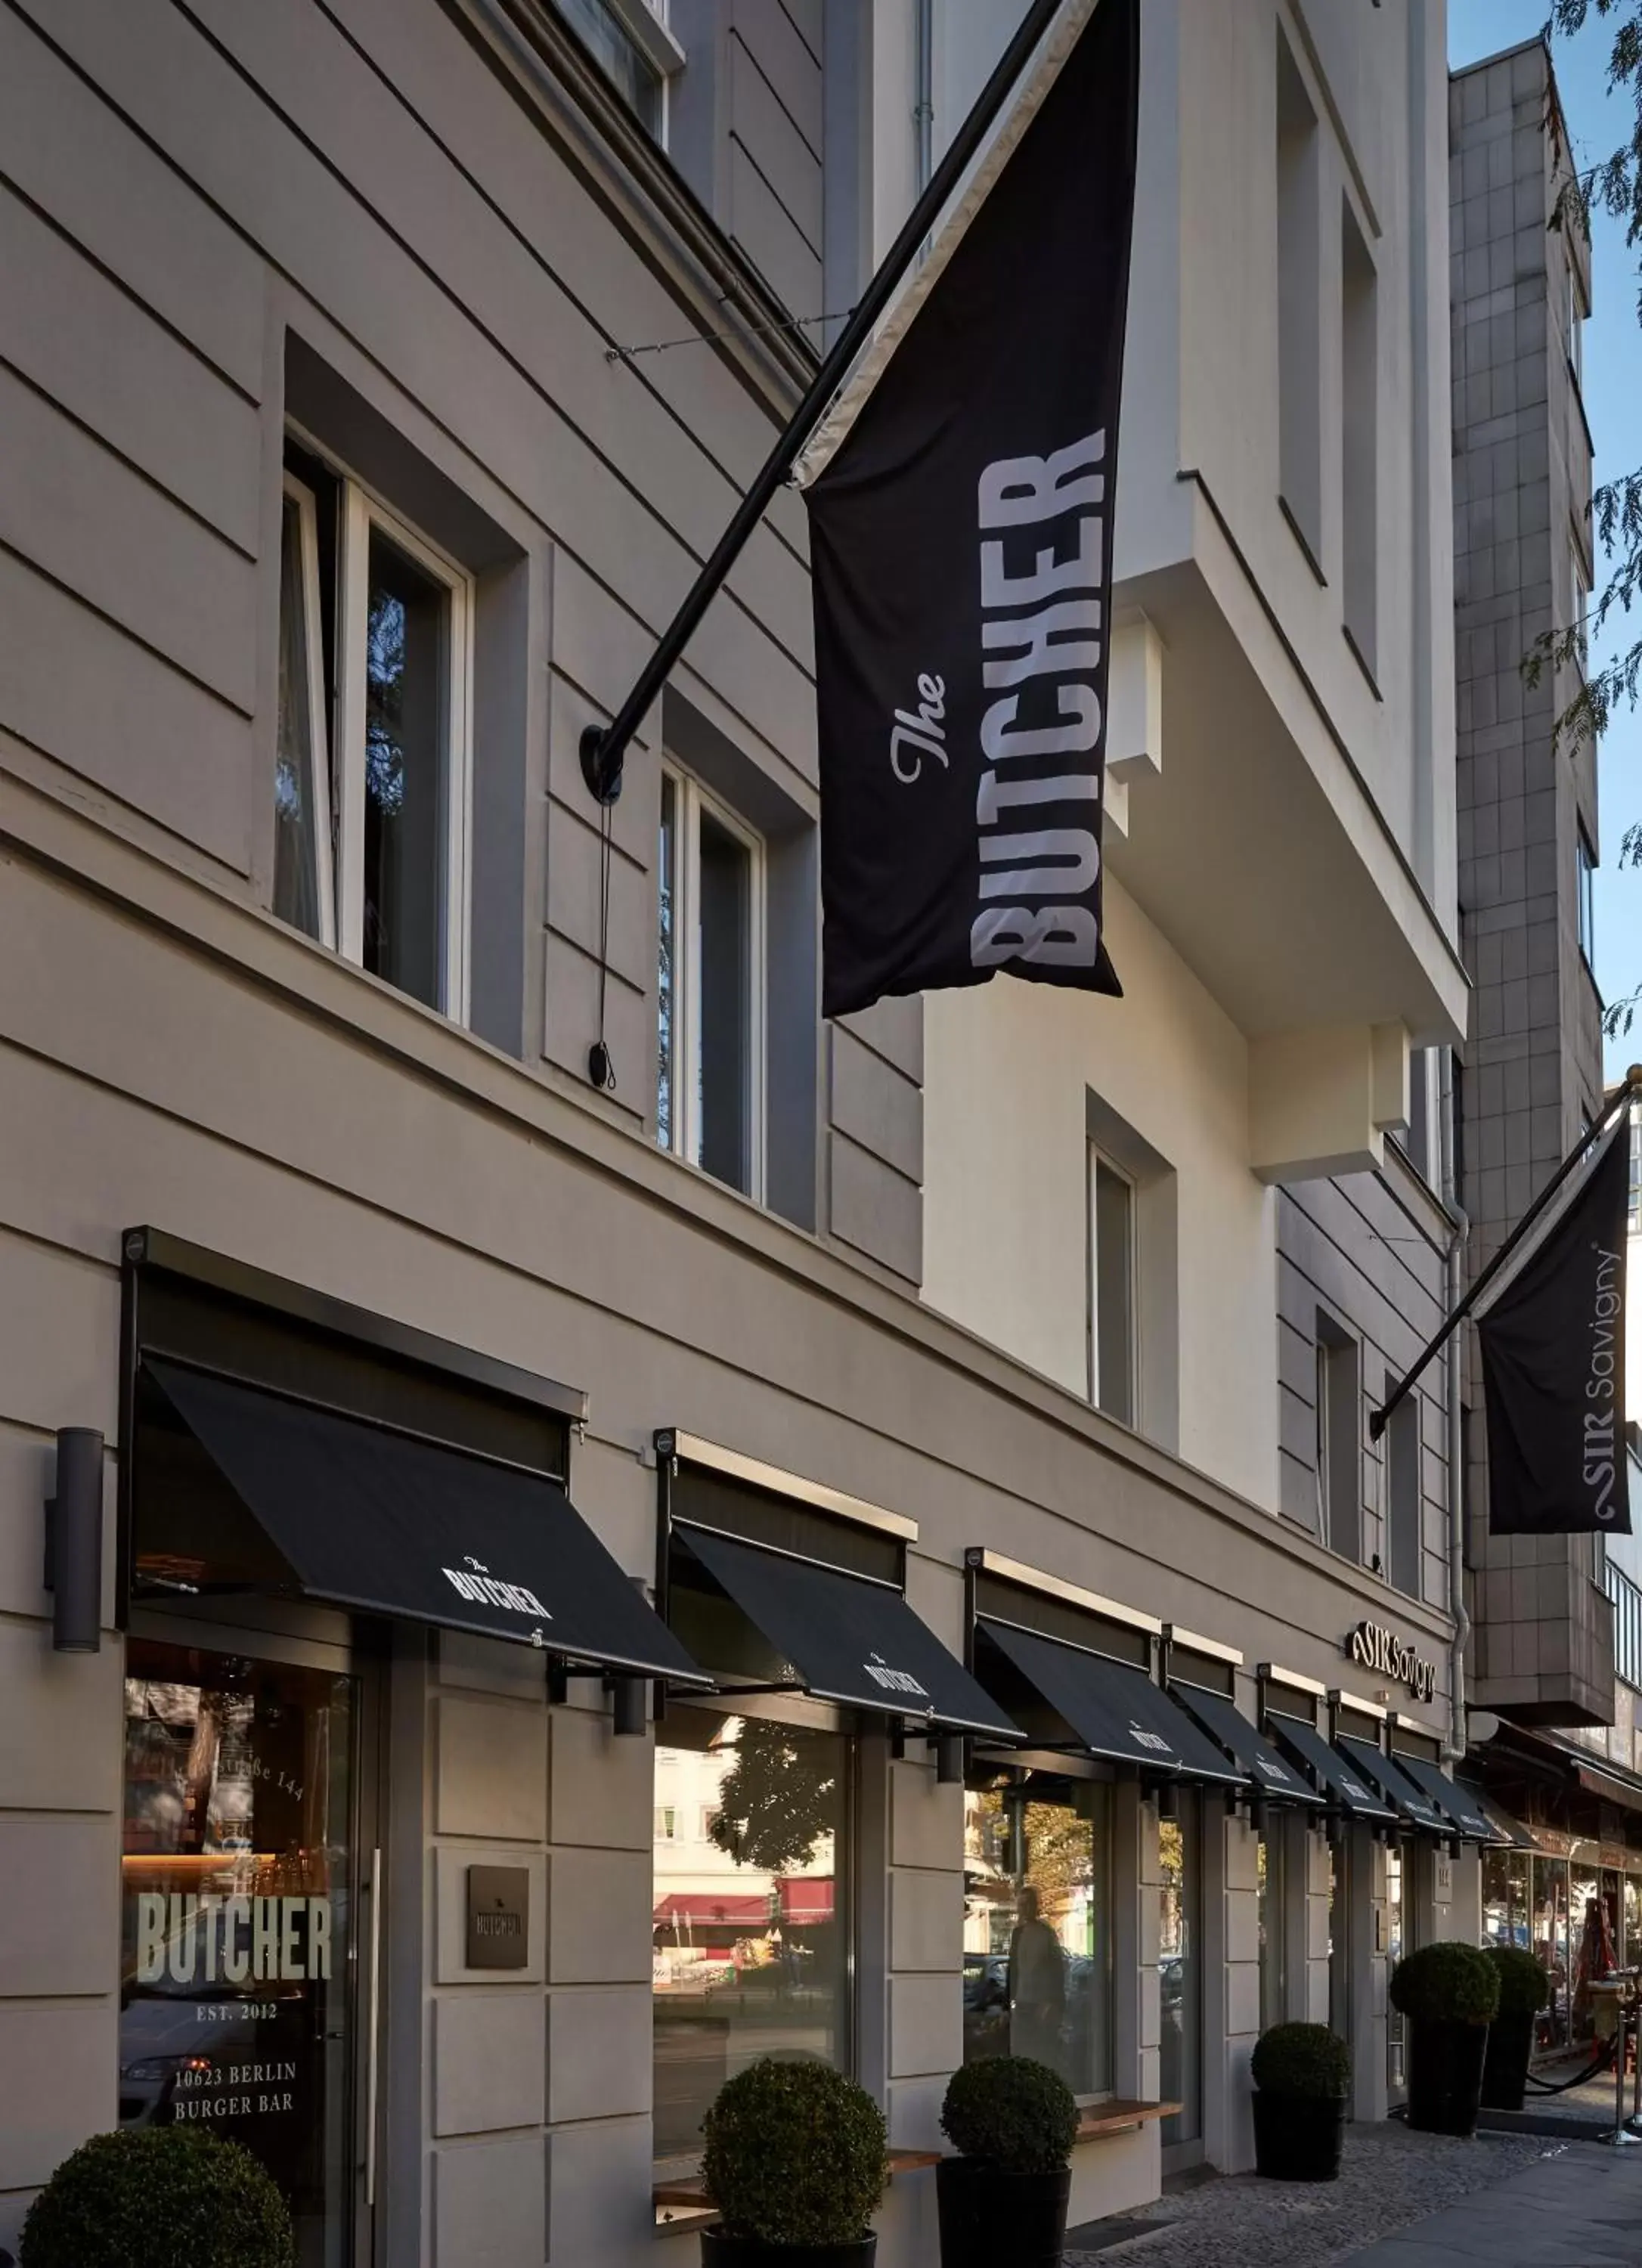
(1532, 1065)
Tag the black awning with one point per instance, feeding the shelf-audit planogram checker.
(1454, 1803)
(360, 1515)
(1248, 1747)
(1506, 1830)
(848, 1638)
(1388, 1778)
(1331, 1774)
(1114, 1709)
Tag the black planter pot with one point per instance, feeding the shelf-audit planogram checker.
(1504, 2066)
(1445, 2076)
(1298, 2138)
(721, 2251)
(994, 2220)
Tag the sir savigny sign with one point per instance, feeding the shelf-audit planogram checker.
(1381, 1650)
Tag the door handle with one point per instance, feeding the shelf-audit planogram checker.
(372, 2019)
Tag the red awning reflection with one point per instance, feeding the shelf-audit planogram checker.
(699, 1910)
(805, 1899)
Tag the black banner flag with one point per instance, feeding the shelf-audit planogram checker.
(961, 552)
(1554, 1368)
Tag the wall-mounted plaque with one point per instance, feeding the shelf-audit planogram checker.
(498, 1917)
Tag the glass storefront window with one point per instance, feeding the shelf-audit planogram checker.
(236, 1919)
(1630, 1952)
(1505, 1898)
(1179, 1986)
(748, 1924)
(1549, 1948)
(1037, 1940)
(1269, 1912)
(1396, 2077)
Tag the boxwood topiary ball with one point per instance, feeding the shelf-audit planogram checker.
(794, 2154)
(1306, 2059)
(1013, 2112)
(1524, 1987)
(1448, 1983)
(158, 2197)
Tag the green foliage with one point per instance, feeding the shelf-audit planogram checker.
(1302, 2059)
(1013, 2112)
(158, 2197)
(775, 1802)
(1524, 1987)
(1446, 1983)
(795, 2154)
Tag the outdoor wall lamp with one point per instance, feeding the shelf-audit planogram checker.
(74, 1542)
(948, 1759)
(632, 1706)
(1258, 1814)
(1168, 1800)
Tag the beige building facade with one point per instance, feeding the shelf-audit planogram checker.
(346, 489)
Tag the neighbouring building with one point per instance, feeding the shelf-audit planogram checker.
(1218, 1208)
(924, 1458)
(1551, 1665)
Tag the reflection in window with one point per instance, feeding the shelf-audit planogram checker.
(370, 793)
(236, 2012)
(613, 48)
(750, 1945)
(1111, 1289)
(1269, 1913)
(1549, 1922)
(302, 832)
(1396, 2041)
(404, 771)
(1037, 1935)
(1180, 1989)
(708, 986)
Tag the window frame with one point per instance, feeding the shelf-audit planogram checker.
(1584, 875)
(297, 492)
(644, 25)
(361, 509)
(684, 1133)
(1098, 1157)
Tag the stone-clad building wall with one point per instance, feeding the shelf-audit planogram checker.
(1532, 1072)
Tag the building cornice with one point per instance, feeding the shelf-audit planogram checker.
(546, 69)
(199, 915)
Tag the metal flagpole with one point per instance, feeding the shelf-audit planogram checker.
(603, 747)
(1618, 1104)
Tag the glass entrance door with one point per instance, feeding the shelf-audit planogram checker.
(1180, 1979)
(239, 1893)
(1396, 2082)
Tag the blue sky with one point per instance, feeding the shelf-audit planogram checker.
(1598, 122)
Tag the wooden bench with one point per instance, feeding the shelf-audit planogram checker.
(1119, 2114)
(684, 2203)
(676, 2200)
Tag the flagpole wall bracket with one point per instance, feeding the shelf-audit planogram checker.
(603, 777)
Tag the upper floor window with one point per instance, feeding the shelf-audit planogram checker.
(1635, 1213)
(1587, 858)
(710, 986)
(630, 42)
(371, 764)
(1111, 1313)
(1578, 604)
(1338, 1439)
(1627, 1605)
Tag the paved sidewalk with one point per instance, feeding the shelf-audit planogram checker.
(1580, 2209)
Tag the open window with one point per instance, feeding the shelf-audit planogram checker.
(374, 745)
(710, 986)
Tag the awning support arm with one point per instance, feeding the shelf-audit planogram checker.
(603, 747)
(1619, 1102)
